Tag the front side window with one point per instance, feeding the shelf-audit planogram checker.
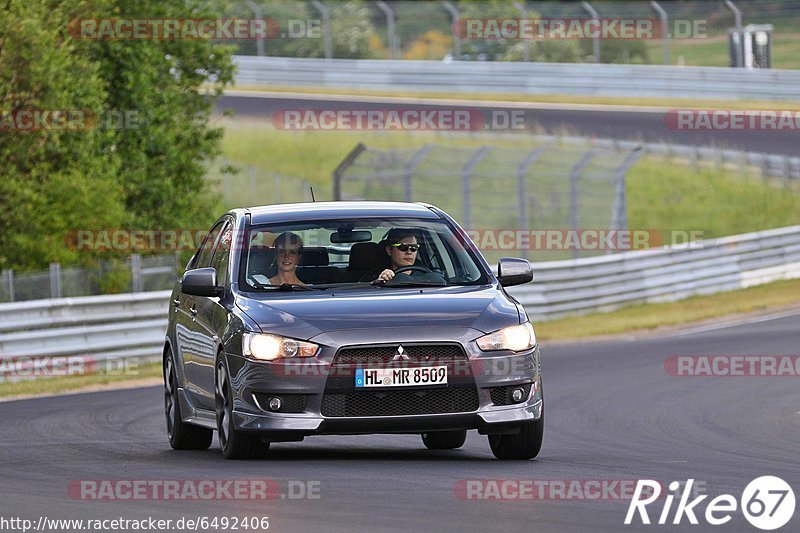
(355, 252)
(203, 257)
(222, 254)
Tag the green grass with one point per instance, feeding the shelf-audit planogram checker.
(713, 51)
(310, 156)
(75, 383)
(717, 202)
(648, 317)
(661, 195)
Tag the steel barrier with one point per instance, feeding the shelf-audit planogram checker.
(524, 78)
(132, 326)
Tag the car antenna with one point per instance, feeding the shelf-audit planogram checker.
(312, 193)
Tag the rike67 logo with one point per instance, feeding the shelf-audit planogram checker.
(767, 503)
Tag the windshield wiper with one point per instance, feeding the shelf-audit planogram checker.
(392, 283)
(282, 287)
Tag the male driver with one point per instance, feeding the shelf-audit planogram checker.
(402, 248)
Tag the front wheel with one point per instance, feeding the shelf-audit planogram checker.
(182, 436)
(524, 445)
(234, 444)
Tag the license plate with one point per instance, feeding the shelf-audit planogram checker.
(401, 377)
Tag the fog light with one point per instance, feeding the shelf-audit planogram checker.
(518, 394)
(275, 404)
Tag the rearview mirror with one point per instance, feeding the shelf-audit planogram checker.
(201, 282)
(512, 271)
(351, 236)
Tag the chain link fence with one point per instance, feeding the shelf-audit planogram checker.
(405, 29)
(551, 186)
(136, 274)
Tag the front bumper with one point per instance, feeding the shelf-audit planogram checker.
(481, 372)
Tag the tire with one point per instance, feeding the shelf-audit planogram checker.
(182, 436)
(524, 445)
(234, 444)
(444, 440)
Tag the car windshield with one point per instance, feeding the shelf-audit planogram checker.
(327, 254)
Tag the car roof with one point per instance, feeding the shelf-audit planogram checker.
(337, 210)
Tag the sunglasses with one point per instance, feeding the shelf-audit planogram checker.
(404, 247)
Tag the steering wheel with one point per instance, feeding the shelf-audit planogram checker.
(412, 268)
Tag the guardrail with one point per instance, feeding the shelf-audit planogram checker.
(84, 331)
(524, 78)
(132, 326)
(659, 275)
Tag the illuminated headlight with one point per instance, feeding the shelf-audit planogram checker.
(514, 338)
(265, 347)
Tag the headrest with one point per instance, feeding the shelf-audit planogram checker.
(363, 255)
(314, 256)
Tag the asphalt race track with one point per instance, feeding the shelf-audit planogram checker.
(613, 413)
(599, 121)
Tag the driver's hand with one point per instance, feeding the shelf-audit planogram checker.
(386, 275)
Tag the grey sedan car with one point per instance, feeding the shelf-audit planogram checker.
(349, 318)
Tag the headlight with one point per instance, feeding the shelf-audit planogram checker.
(515, 338)
(265, 347)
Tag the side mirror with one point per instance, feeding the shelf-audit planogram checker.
(513, 271)
(201, 282)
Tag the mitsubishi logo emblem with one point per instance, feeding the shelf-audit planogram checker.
(401, 354)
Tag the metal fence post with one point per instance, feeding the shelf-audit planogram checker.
(574, 174)
(664, 30)
(346, 163)
(466, 193)
(259, 15)
(526, 45)
(389, 28)
(408, 170)
(8, 281)
(136, 273)
(327, 38)
(456, 37)
(785, 172)
(55, 280)
(619, 215)
(522, 192)
(596, 40)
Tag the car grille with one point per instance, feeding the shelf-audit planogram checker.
(292, 403)
(502, 395)
(398, 403)
(383, 354)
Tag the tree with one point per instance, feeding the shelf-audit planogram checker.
(147, 174)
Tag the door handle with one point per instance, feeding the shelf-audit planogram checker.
(176, 302)
(193, 311)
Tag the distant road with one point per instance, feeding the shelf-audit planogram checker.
(584, 120)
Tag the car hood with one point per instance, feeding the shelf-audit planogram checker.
(304, 315)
